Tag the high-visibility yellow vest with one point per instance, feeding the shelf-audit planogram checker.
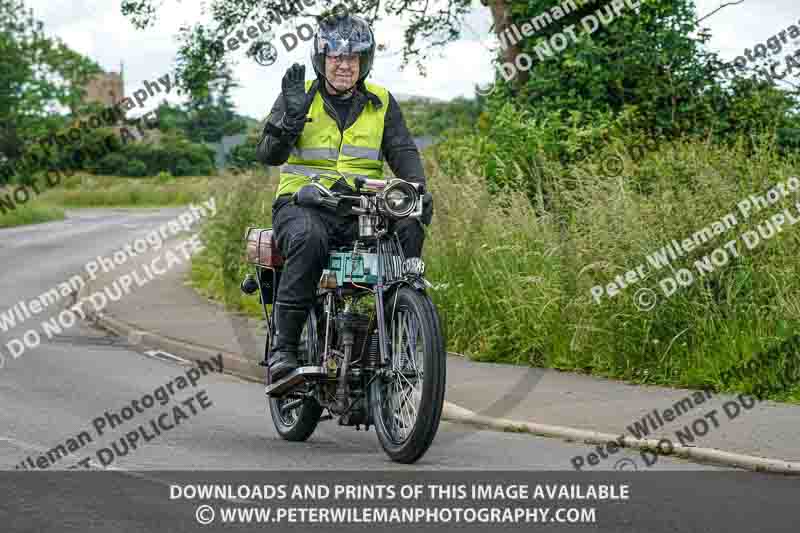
(322, 150)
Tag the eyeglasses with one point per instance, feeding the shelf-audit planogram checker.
(351, 59)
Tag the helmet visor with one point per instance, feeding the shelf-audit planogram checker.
(336, 47)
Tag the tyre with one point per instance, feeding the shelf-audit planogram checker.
(296, 419)
(407, 404)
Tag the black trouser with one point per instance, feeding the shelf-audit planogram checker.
(304, 236)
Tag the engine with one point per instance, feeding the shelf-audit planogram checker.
(359, 349)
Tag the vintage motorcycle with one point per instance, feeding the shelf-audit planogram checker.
(372, 350)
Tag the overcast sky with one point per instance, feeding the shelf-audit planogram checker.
(97, 29)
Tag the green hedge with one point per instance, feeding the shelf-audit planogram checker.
(174, 154)
(83, 151)
(101, 151)
(243, 156)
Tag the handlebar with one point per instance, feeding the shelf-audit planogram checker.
(371, 183)
(315, 194)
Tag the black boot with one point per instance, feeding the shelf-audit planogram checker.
(289, 322)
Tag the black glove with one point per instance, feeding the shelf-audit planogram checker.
(427, 208)
(296, 98)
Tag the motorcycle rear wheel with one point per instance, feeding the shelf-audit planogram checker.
(297, 424)
(407, 406)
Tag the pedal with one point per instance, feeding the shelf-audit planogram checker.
(295, 378)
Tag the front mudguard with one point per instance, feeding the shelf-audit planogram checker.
(417, 283)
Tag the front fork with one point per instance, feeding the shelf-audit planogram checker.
(328, 310)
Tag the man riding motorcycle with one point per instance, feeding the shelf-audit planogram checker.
(339, 127)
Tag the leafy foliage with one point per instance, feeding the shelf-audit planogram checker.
(38, 75)
(205, 120)
(210, 115)
(648, 61)
(433, 118)
(202, 52)
(642, 76)
(243, 156)
(173, 153)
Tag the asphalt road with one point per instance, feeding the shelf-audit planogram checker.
(55, 391)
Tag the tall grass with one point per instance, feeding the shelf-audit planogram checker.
(512, 278)
(518, 284)
(245, 200)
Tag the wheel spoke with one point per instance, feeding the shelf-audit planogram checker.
(287, 409)
(408, 399)
(410, 339)
(414, 346)
(403, 385)
(412, 336)
(390, 411)
(402, 425)
(401, 413)
(407, 381)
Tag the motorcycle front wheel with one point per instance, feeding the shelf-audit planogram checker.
(407, 402)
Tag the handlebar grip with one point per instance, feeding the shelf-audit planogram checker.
(330, 203)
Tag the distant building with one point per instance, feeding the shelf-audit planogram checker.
(106, 89)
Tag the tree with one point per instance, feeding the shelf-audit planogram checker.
(204, 50)
(210, 113)
(649, 61)
(643, 58)
(38, 76)
(433, 118)
(171, 118)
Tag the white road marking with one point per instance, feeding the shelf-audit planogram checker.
(161, 354)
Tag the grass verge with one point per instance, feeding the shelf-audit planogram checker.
(30, 214)
(86, 190)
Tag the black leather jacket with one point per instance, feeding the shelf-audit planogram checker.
(399, 149)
